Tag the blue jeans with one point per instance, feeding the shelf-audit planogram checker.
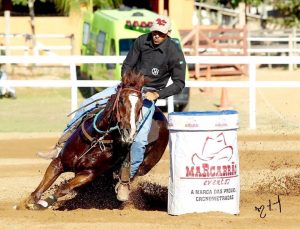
(138, 146)
(102, 94)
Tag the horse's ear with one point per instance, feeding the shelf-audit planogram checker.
(129, 78)
(135, 79)
(141, 80)
(125, 78)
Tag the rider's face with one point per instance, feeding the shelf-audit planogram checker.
(158, 37)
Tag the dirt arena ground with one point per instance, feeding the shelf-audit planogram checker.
(270, 166)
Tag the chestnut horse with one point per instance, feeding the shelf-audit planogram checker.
(102, 142)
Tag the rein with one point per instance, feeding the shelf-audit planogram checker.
(101, 140)
(103, 131)
(88, 105)
(94, 141)
(115, 107)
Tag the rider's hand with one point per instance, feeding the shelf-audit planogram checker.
(151, 95)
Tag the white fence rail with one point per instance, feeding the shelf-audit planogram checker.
(22, 42)
(73, 83)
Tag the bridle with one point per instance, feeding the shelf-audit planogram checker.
(115, 106)
(100, 141)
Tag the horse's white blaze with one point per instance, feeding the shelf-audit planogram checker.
(133, 98)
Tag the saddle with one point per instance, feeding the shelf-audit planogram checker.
(123, 175)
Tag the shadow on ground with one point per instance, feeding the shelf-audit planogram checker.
(100, 194)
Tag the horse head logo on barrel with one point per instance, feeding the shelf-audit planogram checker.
(102, 142)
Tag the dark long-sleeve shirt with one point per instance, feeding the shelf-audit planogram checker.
(158, 64)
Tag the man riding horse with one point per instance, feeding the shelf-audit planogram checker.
(157, 57)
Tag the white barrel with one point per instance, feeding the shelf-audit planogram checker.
(204, 162)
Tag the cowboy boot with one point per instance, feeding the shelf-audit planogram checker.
(53, 153)
(123, 186)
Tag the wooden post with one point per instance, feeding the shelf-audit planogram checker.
(72, 43)
(32, 26)
(7, 37)
(196, 51)
(245, 48)
(161, 10)
(242, 14)
(294, 34)
(219, 17)
(290, 50)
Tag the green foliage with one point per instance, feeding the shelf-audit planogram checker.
(107, 4)
(235, 3)
(23, 2)
(20, 2)
(289, 12)
(65, 5)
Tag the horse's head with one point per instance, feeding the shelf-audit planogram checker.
(128, 105)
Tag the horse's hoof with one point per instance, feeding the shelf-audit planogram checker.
(42, 204)
(35, 207)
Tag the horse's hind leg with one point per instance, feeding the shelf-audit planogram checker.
(80, 179)
(53, 171)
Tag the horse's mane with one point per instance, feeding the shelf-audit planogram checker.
(133, 79)
(130, 79)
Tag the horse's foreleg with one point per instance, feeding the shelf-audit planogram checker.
(80, 179)
(53, 171)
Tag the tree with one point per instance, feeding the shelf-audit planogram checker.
(66, 5)
(62, 6)
(234, 3)
(32, 26)
(30, 4)
(289, 12)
